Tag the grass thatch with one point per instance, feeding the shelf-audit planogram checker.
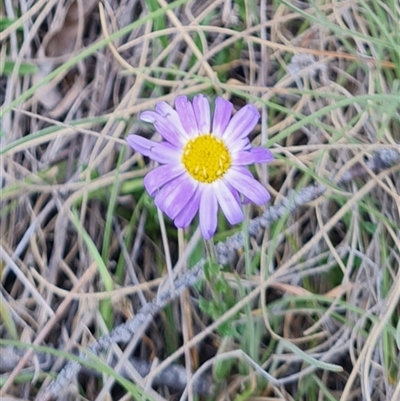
(305, 307)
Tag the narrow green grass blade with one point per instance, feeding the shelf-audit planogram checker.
(309, 359)
(103, 271)
(93, 362)
(111, 207)
(24, 68)
(6, 317)
(105, 305)
(323, 388)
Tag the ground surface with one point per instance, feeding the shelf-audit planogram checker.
(305, 308)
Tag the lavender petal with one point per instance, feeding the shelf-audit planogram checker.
(208, 212)
(185, 217)
(174, 196)
(222, 116)
(241, 124)
(201, 108)
(253, 155)
(186, 115)
(167, 129)
(229, 204)
(247, 185)
(162, 152)
(159, 176)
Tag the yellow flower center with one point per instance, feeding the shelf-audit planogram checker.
(206, 158)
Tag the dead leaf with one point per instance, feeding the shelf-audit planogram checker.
(60, 42)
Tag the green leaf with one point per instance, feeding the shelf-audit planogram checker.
(211, 269)
(223, 367)
(24, 68)
(7, 22)
(221, 285)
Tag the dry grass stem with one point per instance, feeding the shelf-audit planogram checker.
(102, 298)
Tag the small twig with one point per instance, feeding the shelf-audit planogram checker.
(225, 251)
(382, 159)
(175, 377)
(124, 332)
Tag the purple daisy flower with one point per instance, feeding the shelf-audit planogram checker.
(202, 161)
